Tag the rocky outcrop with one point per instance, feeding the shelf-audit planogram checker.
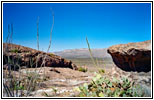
(132, 56)
(27, 57)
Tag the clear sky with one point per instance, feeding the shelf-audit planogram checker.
(104, 24)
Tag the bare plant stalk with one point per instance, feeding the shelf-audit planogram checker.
(8, 34)
(13, 82)
(43, 62)
(91, 56)
(97, 62)
(33, 79)
(8, 89)
(11, 40)
(13, 62)
(50, 39)
(7, 39)
(37, 40)
(51, 31)
(38, 33)
(5, 73)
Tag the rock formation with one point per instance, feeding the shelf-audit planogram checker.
(132, 56)
(27, 57)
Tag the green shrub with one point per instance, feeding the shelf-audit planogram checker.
(101, 71)
(82, 69)
(15, 51)
(51, 54)
(104, 87)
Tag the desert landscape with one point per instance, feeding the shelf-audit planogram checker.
(76, 50)
(64, 76)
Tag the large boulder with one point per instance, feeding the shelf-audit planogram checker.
(27, 57)
(132, 56)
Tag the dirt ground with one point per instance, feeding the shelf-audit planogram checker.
(62, 82)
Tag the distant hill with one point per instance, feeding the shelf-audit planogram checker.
(83, 53)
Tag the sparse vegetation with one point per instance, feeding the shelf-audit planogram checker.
(82, 69)
(101, 86)
(51, 54)
(15, 51)
(101, 71)
(104, 87)
(22, 84)
(15, 84)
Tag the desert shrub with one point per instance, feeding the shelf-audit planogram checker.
(15, 51)
(102, 86)
(31, 80)
(51, 54)
(82, 69)
(101, 71)
(15, 84)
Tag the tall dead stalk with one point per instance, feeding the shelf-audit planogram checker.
(38, 33)
(43, 62)
(32, 82)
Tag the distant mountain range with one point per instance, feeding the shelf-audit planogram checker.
(83, 53)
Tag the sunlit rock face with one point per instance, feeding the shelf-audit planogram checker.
(132, 56)
(28, 57)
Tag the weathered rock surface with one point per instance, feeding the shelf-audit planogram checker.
(28, 57)
(132, 56)
(63, 80)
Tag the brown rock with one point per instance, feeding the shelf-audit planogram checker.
(132, 56)
(33, 58)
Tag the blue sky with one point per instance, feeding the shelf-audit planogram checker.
(104, 24)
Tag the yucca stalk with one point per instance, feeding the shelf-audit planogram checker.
(91, 56)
